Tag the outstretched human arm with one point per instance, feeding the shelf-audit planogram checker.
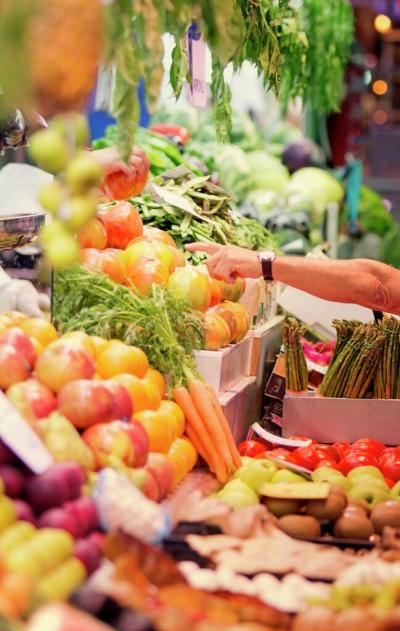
(360, 281)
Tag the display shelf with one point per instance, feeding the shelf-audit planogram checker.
(238, 407)
(224, 368)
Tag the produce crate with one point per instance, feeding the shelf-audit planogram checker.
(327, 420)
(238, 407)
(223, 369)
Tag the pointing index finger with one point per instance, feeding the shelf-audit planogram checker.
(209, 248)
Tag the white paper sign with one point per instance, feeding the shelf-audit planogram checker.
(196, 47)
(21, 439)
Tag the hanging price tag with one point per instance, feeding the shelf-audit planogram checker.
(21, 439)
(196, 48)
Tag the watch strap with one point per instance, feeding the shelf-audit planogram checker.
(266, 259)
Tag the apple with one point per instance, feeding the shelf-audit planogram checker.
(32, 399)
(84, 512)
(13, 480)
(281, 507)
(13, 366)
(238, 494)
(247, 460)
(24, 511)
(162, 471)
(137, 477)
(150, 487)
(327, 474)
(59, 518)
(364, 472)
(21, 342)
(284, 476)
(85, 402)
(123, 407)
(58, 484)
(254, 475)
(61, 363)
(89, 553)
(6, 455)
(141, 442)
(116, 442)
(372, 491)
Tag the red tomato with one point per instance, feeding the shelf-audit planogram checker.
(105, 261)
(308, 457)
(354, 459)
(342, 447)
(328, 462)
(123, 224)
(251, 448)
(121, 185)
(390, 482)
(282, 454)
(368, 444)
(389, 464)
(328, 451)
(146, 272)
(93, 235)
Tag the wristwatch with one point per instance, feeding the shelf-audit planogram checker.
(266, 259)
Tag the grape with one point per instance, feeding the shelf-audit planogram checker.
(63, 251)
(51, 196)
(49, 150)
(83, 173)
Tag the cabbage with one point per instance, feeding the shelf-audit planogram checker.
(267, 172)
(303, 153)
(317, 185)
(233, 170)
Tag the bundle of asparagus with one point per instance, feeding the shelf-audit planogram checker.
(295, 361)
(344, 332)
(351, 373)
(387, 380)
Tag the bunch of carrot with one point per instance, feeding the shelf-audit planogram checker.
(208, 429)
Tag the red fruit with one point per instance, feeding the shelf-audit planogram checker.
(150, 487)
(14, 481)
(84, 512)
(24, 511)
(62, 363)
(370, 445)
(93, 235)
(141, 441)
(85, 402)
(59, 518)
(112, 442)
(6, 455)
(282, 454)
(123, 407)
(98, 537)
(328, 451)
(342, 447)
(390, 482)
(328, 462)
(123, 224)
(389, 464)
(357, 459)
(87, 551)
(32, 399)
(60, 483)
(251, 448)
(13, 366)
(160, 467)
(21, 342)
(307, 457)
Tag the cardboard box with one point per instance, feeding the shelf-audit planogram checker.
(327, 420)
(224, 368)
(238, 407)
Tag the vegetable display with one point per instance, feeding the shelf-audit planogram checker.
(296, 366)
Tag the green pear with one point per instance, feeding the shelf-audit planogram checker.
(364, 472)
(238, 494)
(395, 491)
(285, 476)
(372, 491)
(327, 474)
(254, 475)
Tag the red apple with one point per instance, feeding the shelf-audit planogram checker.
(141, 441)
(61, 363)
(13, 366)
(112, 442)
(24, 511)
(21, 342)
(150, 487)
(6, 455)
(58, 484)
(59, 518)
(85, 402)
(13, 480)
(162, 471)
(84, 512)
(32, 399)
(123, 407)
(89, 553)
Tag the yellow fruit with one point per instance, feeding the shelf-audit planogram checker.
(63, 251)
(74, 127)
(51, 196)
(78, 211)
(49, 150)
(83, 173)
(7, 513)
(14, 536)
(63, 581)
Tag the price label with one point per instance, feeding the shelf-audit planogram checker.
(196, 48)
(17, 434)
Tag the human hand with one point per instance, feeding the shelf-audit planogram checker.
(228, 262)
(21, 295)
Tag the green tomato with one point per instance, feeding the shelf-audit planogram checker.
(191, 285)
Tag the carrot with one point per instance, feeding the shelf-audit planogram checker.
(196, 440)
(195, 422)
(225, 426)
(202, 401)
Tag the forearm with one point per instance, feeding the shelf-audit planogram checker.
(363, 282)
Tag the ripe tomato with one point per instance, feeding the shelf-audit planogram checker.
(146, 272)
(251, 448)
(328, 451)
(368, 444)
(120, 358)
(230, 319)
(185, 448)
(121, 185)
(15, 317)
(216, 292)
(242, 318)
(157, 379)
(328, 462)
(216, 330)
(123, 224)
(354, 459)
(40, 329)
(191, 285)
(176, 417)
(307, 457)
(155, 234)
(389, 464)
(279, 452)
(99, 344)
(93, 235)
(233, 291)
(80, 339)
(390, 482)
(136, 389)
(153, 394)
(158, 431)
(342, 447)
(105, 261)
(153, 250)
(179, 257)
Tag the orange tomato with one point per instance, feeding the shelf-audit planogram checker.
(157, 379)
(146, 272)
(230, 319)
(180, 260)
(17, 589)
(16, 317)
(175, 415)
(80, 339)
(153, 394)
(93, 235)
(120, 358)
(122, 222)
(216, 292)
(155, 234)
(216, 330)
(184, 448)
(157, 429)
(179, 471)
(149, 250)
(43, 331)
(99, 344)
(105, 261)
(136, 389)
(241, 316)
(39, 348)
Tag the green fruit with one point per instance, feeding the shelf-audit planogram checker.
(63, 251)
(364, 472)
(73, 127)
(7, 513)
(15, 535)
(247, 460)
(327, 474)
(83, 173)
(395, 491)
(78, 211)
(51, 231)
(286, 476)
(372, 492)
(22, 562)
(341, 597)
(49, 150)
(51, 196)
(62, 581)
(254, 475)
(238, 494)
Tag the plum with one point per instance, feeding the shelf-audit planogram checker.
(24, 511)
(14, 481)
(84, 512)
(87, 551)
(58, 518)
(59, 484)
(6, 455)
